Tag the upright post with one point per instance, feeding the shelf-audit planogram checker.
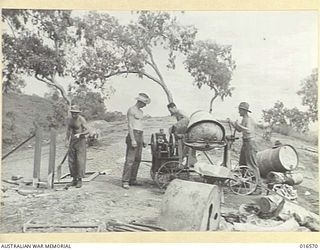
(52, 158)
(37, 157)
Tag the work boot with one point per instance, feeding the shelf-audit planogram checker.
(125, 185)
(79, 183)
(135, 183)
(73, 182)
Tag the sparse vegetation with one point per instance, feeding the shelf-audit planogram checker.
(294, 121)
(21, 113)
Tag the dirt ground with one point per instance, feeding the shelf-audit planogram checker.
(103, 199)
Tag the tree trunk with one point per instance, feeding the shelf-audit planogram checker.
(62, 91)
(167, 91)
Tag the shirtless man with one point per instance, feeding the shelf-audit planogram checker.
(249, 148)
(76, 141)
(134, 141)
(174, 111)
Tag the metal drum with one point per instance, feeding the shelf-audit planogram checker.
(280, 159)
(204, 132)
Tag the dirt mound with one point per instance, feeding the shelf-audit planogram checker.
(98, 124)
(20, 114)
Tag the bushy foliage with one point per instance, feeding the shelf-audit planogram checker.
(8, 127)
(211, 64)
(283, 120)
(35, 43)
(282, 117)
(91, 104)
(309, 94)
(93, 48)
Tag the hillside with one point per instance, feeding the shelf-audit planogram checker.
(20, 114)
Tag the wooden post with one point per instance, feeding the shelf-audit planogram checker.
(52, 158)
(37, 158)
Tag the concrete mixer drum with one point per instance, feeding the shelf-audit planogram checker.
(204, 132)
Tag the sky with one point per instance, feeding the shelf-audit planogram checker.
(273, 51)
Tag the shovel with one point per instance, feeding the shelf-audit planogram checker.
(59, 168)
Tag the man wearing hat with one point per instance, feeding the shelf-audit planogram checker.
(134, 141)
(247, 125)
(76, 131)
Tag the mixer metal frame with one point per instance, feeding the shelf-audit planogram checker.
(171, 160)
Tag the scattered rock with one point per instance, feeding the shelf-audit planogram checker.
(4, 189)
(307, 193)
(16, 177)
(27, 181)
(110, 203)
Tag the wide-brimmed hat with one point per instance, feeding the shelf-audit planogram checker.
(244, 106)
(142, 97)
(75, 109)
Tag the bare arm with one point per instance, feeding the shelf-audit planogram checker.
(68, 133)
(240, 127)
(84, 126)
(130, 116)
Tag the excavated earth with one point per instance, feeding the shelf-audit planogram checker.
(103, 199)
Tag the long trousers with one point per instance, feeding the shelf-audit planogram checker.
(77, 157)
(133, 157)
(248, 153)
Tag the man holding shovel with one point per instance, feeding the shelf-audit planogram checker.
(76, 141)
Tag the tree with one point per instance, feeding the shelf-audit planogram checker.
(309, 93)
(91, 104)
(211, 64)
(36, 44)
(279, 116)
(299, 120)
(95, 47)
(275, 115)
(11, 82)
(113, 49)
(295, 118)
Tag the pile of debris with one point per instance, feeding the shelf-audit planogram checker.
(278, 209)
(278, 166)
(270, 213)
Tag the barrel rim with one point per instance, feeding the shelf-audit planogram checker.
(294, 151)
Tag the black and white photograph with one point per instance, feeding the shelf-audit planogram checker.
(154, 121)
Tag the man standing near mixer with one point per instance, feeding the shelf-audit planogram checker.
(180, 129)
(134, 141)
(249, 149)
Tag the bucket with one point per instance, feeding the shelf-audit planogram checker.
(281, 159)
(204, 129)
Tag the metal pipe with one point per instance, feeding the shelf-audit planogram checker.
(14, 149)
(207, 157)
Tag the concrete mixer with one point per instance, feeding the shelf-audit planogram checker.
(171, 157)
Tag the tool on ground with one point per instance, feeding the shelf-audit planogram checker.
(15, 148)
